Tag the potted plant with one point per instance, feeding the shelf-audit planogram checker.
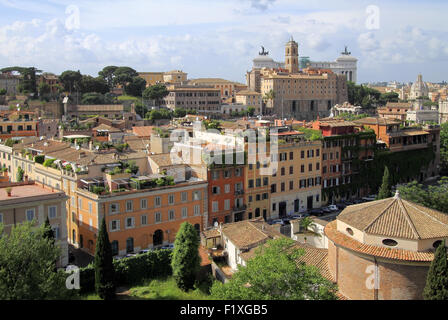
(8, 191)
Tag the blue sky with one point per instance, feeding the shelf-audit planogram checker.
(219, 38)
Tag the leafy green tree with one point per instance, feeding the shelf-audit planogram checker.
(276, 273)
(108, 74)
(269, 96)
(156, 92)
(388, 97)
(124, 75)
(135, 87)
(159, 114)
(44, 90)
(104, 269)
(3, 92)
(71, 80)
(179, 113)
(186, 260)
(91, 84)
(434, 196)
(28, 76)
(27, 270)
(9, 142)
(386, 187)
(251, 111)
(92, 98)
(212, 124)
(437, 279)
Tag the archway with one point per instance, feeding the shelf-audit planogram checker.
(157, 238)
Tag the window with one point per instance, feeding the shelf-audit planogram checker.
(158, 217)
(251, 183)
(73, 201)
(115, 225)
(52, 212)
(291, 155)
(171, 199)
(171, 215)
(302, 168)
(114, 246)
(302, 154)
(55, 231)
(291, 185)
(144, 219)
(265, 181)
(274, 207)
(129, 206)
(129, 222)
(79, 203)
(227, 188)
(258, 197)
(215, 206)
(317, 152)
(291, 170)
(30, 214)
(184, 196)
(390, 242)
(310, 167)
(265, 196)
(317, 166)
(282, 187)
(114, 208)
(283, 171)
(273, 188)
(197, 195)
(197, 210)
(227, 204)
(143, 204)
(258, 182)
(184, 212)
(157, 202)
(227, 174)
(215, 190)
(90, 207)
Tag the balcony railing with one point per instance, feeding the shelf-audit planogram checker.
(239, 208)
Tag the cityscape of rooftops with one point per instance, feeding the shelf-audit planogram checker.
(250, 150)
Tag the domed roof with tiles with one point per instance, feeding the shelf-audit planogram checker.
(396, 218)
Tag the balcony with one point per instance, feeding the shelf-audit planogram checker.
(239, 208)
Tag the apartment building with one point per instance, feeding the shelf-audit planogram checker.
(35, 202)
(203, 99)
(16, 124)
(296, 185)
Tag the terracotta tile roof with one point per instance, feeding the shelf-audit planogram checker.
(380, 121)
(244, 235)
(105, 127)
(162, 159)
(45, 146)
(144, 131)
(397, 254)
(395, 217)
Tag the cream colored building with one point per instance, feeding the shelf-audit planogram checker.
(151, 78)
(250, 98)
(33, 202)
(175, 76)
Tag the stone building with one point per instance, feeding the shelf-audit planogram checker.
(382, 250)
(204, 99)
(345, 64)
(418, 89)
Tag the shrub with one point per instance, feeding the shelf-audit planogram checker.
(47, 163)
(39, 159)
(133, 270)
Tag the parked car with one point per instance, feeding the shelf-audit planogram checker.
(326, 210)
(144, 251)
(333, 207)
(357, 201)
(168, 247)
(317, 212)
(130, 255)
(341, 206)
(278, 221)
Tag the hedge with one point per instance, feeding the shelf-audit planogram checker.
(132, 270)
(39, 159)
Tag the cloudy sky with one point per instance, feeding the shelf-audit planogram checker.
(393, 40)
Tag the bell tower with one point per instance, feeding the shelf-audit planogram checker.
(292, 56)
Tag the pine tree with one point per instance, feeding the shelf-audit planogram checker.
(437, 279)
(186, 260)
(386, 187)
(104, 269)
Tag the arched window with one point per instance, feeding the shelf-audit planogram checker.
(349, 231)
(390, 242)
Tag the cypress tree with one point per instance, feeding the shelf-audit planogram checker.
(186, 260)
(104, 269)
(386, 187)
(48, 233)
(437, 279)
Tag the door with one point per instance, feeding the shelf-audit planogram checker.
(296, 205)
(130, 245)
(282, 209)
(309, 203)
(157, 239)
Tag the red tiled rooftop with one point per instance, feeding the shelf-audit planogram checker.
(28, 192)
(383, 252)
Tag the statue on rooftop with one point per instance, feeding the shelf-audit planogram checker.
(346, 52)
(263, 52)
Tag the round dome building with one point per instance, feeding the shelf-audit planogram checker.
(382, 250)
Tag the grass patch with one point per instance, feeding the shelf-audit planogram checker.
(127, 98)
(166, 289)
